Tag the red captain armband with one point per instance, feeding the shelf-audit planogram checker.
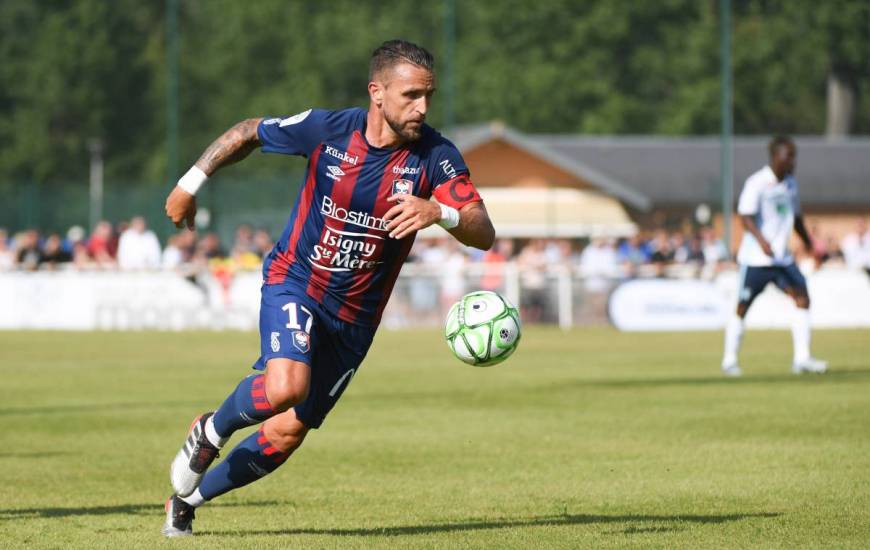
(457, 192)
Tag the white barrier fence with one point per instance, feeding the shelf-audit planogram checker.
(166, 301)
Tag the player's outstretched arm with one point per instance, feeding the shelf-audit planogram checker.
(234, 145)
(231, 147)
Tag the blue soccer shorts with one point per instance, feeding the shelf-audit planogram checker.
(294, 326)
(753, 280)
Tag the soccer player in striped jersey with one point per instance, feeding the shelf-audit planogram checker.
(769, 208)
(370, 177)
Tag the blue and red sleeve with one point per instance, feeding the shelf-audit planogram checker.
(450, 177)
(294, 135)
(301, 133)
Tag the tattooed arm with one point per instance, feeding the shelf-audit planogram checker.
(234, 145)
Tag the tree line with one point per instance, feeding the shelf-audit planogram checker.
(73, 71)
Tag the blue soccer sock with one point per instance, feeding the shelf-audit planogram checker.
(246, 406)
(253, 458)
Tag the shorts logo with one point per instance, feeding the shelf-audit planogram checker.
(276, 343)
(334, 172)
(402, 187)
(301, 341)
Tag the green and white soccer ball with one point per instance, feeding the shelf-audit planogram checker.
(483, 328)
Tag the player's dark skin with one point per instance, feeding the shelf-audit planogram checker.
(399, 100)
(783, 161)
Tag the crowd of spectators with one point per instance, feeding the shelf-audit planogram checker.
(131, 245)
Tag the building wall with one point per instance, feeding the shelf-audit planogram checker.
(497, 164)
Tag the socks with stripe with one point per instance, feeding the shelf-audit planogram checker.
(246, 406)
(253, 458)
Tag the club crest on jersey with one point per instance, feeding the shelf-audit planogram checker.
(301, 341)
(402, 187)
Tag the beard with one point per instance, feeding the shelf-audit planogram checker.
(408, 133)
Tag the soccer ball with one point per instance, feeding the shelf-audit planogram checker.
(483, 328)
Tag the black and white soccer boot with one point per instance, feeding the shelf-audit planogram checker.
(196, 455)
(179, 518)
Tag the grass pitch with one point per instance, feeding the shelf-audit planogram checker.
(584, 439)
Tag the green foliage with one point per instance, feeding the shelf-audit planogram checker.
(588, 439)
(74, 71)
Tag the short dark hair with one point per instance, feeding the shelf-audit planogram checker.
(777, 142)
(393, 52)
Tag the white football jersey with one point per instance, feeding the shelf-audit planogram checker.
(774, 205)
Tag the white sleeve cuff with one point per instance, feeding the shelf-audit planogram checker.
(192, 180)
(449, 216)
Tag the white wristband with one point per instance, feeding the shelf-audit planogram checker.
(449, 216)
(192, 180)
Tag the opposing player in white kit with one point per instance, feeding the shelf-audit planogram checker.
(769, 209)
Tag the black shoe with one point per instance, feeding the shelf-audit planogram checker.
(196, 455)
(179, 518)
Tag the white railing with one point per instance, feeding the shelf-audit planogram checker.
(559, 294)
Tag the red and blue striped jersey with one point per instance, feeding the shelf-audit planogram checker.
(335, 243)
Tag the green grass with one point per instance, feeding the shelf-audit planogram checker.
(584, 439)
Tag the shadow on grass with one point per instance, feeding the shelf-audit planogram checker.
(636, 524)
(747, 379)
(149, 509)
(94, 407)
(35, 454)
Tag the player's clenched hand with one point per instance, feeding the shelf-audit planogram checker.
(410, 214)
(765, 247)
(181, 208)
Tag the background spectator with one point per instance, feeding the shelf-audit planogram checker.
(7, 256)
(99, 245)
(138, 247)
(81, 259)
(632, 253)
(53, 254)
(262, 243)
(598, 263)
(209, 248)
(27, 251)
(532, 262)
(856, 247)
(494, 260)
(173, 255)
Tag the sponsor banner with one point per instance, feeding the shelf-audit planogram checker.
(839, 299)
(126, 301)
(166, 301)
(662, 304)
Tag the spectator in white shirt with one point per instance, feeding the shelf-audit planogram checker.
(598, 263)
(138, 247)
(856, 248)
